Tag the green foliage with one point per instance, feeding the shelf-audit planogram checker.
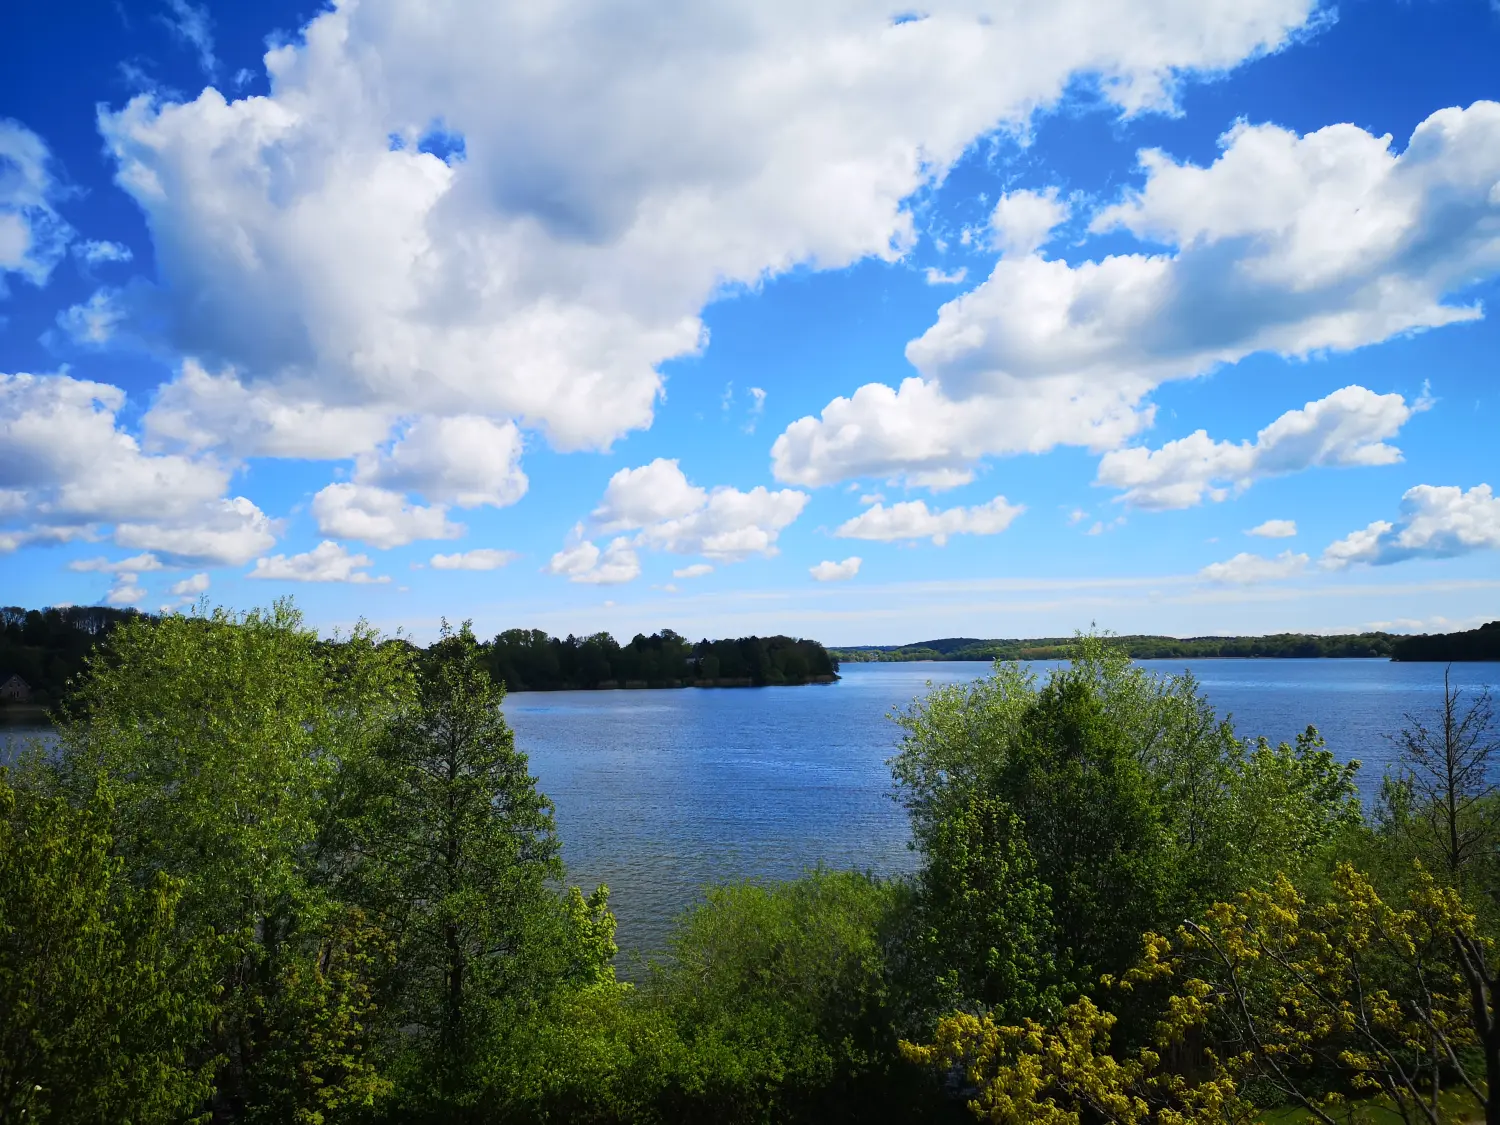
(1059, 820)
(780, 996)
(986, 917)
(456, 851)
(103, 1000)
(220, 740)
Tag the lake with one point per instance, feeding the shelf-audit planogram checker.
(660, 793)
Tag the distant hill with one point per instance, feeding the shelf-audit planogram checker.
(1482, 643)
(1140, 647)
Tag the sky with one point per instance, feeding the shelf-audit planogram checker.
(846, 320)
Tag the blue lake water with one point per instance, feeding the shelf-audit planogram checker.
(660, 793)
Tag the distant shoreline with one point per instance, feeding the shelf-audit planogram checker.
(1482, 644)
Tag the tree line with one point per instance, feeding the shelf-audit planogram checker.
(263, 879)
(1478, 644)
(48, 648)
(530, 660)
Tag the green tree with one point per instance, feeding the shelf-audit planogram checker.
(103, 998)
(1059, 819)
(223, 740)
(459, 851)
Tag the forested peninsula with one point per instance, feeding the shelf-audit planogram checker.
(48, 648)
(1477, 644)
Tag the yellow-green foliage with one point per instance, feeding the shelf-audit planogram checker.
(103, 1002)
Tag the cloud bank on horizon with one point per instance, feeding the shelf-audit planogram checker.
(483, 278)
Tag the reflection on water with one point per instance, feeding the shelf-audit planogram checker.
(661, 792)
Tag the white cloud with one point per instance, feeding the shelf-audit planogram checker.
(828, 571)
(668, 513)
(1434, 522)
(199, 410)
(327, 562)
(1274, 529)
(193, 27)
(696, 570)
(93, 323)
(96, 253)
(464, 460)
(912, 519)
(1023, 220)
(1348, 427)
(609, 186)
(33, 236)
(126, 590)
(74, 470)
(1246, 569)
(61, 448)
(190, 587)
(1285, 244)
(378, 516)
(757, 408)
(917, 430)
(584, 562)
(482, 558)
(654, 492)
(223, 532)
(135, 564)
(935, 276)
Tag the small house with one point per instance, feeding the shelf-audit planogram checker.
(13, 689)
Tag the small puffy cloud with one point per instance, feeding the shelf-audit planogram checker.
(584, 562)
(912, 519)
(668, 513)
(378, 516)
(126, 590)
(637, 497)
(1348, 427)
(223, 532)
(135, 564)
(1358, 546)
(935, 276)
(327, 562)
(1023, 220)
(1286, 244)
(190, 587)
(33, 236)
(482, 558)
(93, 323)
(757, 408)
(696, 570)
(98, 253)
(1434, 522)
(1246, 569)
(1274, 529)
(827, 571)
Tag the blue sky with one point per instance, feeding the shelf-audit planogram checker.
(860, 323)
